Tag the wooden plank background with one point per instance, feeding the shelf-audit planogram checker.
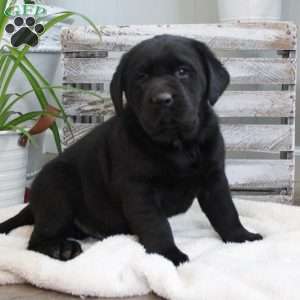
(256, 104)
(239, 36)
(231, 104)
(284, 199)
(90, 64)
(258, 174)
(258, 138)
(242, 70)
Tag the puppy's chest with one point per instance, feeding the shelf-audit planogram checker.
(190, 162)
(179, 181)
(182, 169)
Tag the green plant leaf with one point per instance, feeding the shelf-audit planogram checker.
(4, 117)
(33, 76)
(24, 118)
(35, 86)
(4, 114)
(14, 68)
(56, 18)
(3, 58)
(9, 104)
(34, 71)
(4, 100)
(38, 92)
(4, 67)
(3, 17)
(56, 136)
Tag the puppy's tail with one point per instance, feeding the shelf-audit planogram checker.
(24, 217)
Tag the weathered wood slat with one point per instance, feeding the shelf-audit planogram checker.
(258, 138)
(78, 131)
(256, 104)
(231, 104)
(270, 180)
(242, 70)
(259, 174)
(261, 70)
(82, 104)
(284, 199)
(240, 36)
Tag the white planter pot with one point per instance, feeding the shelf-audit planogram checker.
(232, 10)
(13, 164)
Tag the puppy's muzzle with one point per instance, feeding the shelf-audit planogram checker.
(161, 92)
(164, 99)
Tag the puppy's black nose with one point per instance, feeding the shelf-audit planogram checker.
(163, 99)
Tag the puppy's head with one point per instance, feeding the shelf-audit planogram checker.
(168, 81)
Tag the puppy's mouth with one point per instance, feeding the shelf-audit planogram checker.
(168, 132)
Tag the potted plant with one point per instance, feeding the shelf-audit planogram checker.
(46, 57)
(14, 126)
(231, 10)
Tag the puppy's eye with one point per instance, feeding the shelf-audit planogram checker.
(142, 76)
(182, 73)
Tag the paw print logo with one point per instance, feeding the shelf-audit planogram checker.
(24, 31)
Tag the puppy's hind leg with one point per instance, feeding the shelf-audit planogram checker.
(53, 200)
(50, 235)
(54, 245)
(24, 217)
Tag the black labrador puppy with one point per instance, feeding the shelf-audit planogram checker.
(162, 150)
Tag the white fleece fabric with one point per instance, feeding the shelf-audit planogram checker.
(118, 266)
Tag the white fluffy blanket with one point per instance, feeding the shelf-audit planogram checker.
(118, 266)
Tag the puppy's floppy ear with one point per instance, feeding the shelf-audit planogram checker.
(217, 76)
(117, 85)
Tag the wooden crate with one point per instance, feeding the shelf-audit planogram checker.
(257, 111)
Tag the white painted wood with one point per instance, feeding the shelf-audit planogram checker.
(284, 199)
(231, 104)
(256, 104)
(261, 70)
(275, 178)
(78, 131)
(258, 138)
(241, 36)
(242, 70)
(259, 174)
(83, 104)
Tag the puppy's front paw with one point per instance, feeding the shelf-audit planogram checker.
(176, 256)
(242, 235)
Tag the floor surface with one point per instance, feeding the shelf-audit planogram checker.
(27, 292)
